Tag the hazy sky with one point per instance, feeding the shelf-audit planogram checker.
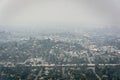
(39, 12)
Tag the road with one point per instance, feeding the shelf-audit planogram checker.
(39, 74)
(94, 68)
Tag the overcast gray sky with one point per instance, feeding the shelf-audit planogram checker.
(38, 12)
